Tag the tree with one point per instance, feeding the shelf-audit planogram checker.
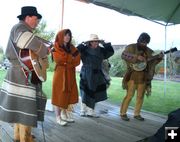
(1, 49)
(118, 66)
(1, 54)
(41, 32)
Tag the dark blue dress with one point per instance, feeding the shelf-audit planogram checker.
(92, 80)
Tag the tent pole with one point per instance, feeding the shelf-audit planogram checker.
(165, 64)
(62, 13)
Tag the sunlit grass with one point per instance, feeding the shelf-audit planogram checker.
(158, 102)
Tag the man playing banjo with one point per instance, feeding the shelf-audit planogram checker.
(139, 74)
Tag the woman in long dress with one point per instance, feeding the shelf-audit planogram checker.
(64, 87)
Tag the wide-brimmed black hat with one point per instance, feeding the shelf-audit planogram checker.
(29, 10)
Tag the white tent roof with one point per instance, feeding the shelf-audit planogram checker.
(165, 12)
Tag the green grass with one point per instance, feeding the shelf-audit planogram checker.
(47, 86)
(158, 102)
(3, 73)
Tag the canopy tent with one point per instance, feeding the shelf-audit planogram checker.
(165, 12)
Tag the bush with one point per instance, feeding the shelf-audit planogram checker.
(118, 66)
(51, 64)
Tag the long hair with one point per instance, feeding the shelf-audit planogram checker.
(144, 37)
(67, 48)
(59, 40)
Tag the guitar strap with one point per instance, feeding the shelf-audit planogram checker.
(29, 76)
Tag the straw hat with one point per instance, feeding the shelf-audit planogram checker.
(93, 37)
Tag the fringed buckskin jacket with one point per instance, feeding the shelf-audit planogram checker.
(130, 56)
(64, 87)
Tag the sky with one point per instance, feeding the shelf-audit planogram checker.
(84, 19)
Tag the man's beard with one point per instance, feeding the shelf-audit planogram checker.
(141, 47)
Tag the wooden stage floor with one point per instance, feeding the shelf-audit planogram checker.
(107, 128)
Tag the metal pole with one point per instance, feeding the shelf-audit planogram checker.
(62, 13)
(165, 64)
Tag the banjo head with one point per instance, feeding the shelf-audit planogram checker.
(139, 66)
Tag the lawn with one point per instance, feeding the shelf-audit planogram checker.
(158, 102)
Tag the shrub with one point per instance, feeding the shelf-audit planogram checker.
(118, 66)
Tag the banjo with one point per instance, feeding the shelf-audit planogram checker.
(140, 66)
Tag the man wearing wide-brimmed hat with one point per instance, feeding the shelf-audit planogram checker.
(19, 98)
(92, 80)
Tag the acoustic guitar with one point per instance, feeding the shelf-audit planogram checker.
(33, 66)
(37, 66)
(140, 66)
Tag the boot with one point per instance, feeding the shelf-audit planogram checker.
(91, 113)
(69, 116)
(139, 117)
(66, 116)
(83, 109)
(60, 121)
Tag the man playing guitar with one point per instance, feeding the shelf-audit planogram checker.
(137, 80)
(22, 103)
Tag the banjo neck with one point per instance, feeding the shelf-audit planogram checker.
(140, 66)
(157, 56)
